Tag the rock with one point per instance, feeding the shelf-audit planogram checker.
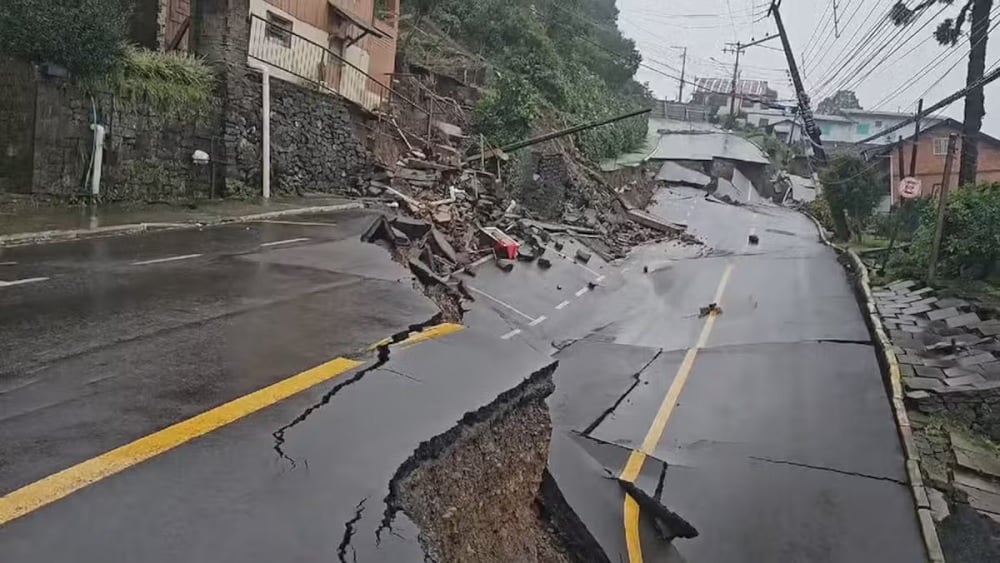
(375, 191)
(558, 246)
(442, 216)
(439, 243)
(582, 255)
(425, 273)
(413, 228)
(505, 264)
(544, 263)
(752, 239)
(526, 255)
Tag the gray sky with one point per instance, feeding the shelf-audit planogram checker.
(704, 26)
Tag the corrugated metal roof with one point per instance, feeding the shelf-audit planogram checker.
(707, 146)
(725, 86)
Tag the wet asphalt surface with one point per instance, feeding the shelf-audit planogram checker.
(781, 448)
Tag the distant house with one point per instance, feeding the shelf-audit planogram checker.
(931, 150)
(346, 46)
(751, 95)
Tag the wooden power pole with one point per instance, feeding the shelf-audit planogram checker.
(807, 116)
(942, 203)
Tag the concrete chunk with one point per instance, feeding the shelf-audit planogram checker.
(974, 456)
(965, 380)
(923, 383)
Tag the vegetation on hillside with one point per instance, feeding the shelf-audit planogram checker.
(554, 63)
(852, 189)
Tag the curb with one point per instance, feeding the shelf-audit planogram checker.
(41, 237)
(894, 386)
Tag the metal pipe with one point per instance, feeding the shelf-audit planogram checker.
(265, 151)
(561, 133)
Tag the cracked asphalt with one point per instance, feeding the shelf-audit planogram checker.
(780, 445)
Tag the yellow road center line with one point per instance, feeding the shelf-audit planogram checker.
(59, 485)
(638, 457)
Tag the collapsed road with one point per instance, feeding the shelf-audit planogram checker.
(514, 436)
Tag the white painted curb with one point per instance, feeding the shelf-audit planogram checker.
(40, 237)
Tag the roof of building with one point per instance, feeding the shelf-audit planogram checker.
(707, 146)
(946, 123)
(876, 112)
(830, 117)
(725, 86)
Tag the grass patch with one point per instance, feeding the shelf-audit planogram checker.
(177, 86)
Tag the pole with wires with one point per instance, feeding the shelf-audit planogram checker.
(942, 204)
(736, 71)
(809, 124)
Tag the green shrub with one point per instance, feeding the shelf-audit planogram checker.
(970, 239)
(820, 209)
(851, 186)
(87, 37)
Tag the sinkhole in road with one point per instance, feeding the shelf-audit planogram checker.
(481, 492)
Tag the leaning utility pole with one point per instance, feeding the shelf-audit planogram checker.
(736, 70)
(942, 203)
(807, 116)
(680, 89)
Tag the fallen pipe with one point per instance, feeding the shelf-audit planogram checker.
(555, 135)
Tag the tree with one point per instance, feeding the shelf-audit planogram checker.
(851, 187)
(842, 99)
(948, 33)
(87, 37)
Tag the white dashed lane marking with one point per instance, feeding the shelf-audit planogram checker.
(288, 241)
(501, 303)
(581, 292)
(511, 334)
(562, 305)
(169, 259)
(21, 282)
(538, 321)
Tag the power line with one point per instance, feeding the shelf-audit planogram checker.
(846, 53)
(810, 43)
(936, 62)
(823, 48)
(986, 79)
(854, 82)
(871, 55)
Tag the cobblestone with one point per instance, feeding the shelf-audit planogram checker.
(952, 302)
(981, 358)
(965, 380)
(965, 320)
(958, 372)
(925, 383)
(928, 371)
(941, 314)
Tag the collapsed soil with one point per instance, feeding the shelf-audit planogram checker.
(477, 500)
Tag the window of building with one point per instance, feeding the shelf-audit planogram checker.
(764, 122)
(878, 123)
(862, 128)
(746, 102)
(279, 29)
(825, 129)
(940, 146)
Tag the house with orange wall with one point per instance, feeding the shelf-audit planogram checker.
(931, 150)
(346, 46)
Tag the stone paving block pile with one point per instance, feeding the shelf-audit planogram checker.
(949, 359)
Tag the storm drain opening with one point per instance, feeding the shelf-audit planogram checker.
(478, 492)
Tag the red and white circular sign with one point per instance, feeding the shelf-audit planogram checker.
(910, 187)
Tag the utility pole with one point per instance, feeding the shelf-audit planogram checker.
(807, 116)
(680, 89)
(942, 202)
(916, 139)
(899, 156)
(736, 69)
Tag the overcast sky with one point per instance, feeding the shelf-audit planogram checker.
(705, 26)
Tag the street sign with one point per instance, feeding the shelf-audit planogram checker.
(910, 187)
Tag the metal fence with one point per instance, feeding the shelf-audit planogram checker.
(298, 59)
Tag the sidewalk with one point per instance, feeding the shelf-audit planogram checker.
(24, 224)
